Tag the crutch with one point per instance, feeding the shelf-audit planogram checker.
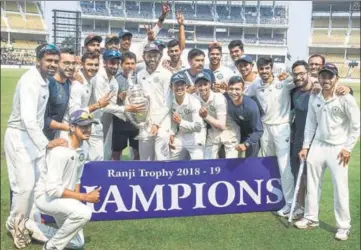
(298, 182)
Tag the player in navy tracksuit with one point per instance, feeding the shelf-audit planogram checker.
(246, 114)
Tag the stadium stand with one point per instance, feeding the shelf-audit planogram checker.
(335, 58)
(204, 12)
(34, 23)
(354, 38)
(321, 22)
(337, 37)
(3, 24)
(116, 9)
(187, 9)
(29, 7)
(355, 22)
(250, 38)
(11, 6)
(204, 33)
(339, 23)
(146, 10)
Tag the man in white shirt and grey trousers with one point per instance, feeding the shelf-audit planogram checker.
(333, 123)
(58, 191)
(25, 143)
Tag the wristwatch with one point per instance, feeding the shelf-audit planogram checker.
(247, 144)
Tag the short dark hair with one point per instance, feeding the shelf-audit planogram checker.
(262, 61)
(89, 55)
(236, 79)
(67, 50)
(210, 48)
(195, 52)
(300, 63)
(320, 56)
(236, 43)
(128, 55)
(172, 43)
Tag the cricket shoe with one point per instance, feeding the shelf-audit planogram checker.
(21, 234)
(285, 211)
(342, 234)
(297, 213)
(45, 247)
(306, 224)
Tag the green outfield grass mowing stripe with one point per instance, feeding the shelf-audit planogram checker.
(222, 232)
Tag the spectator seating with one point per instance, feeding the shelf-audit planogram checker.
(337, 37)
(354, 38)
(340, 23)
(204, 12)
(355, 73)
(335, 58)
(320, 22)
(30, 7)
(187, 10)
(34, 22)
(146, 10)
(250, 38)
(16, 21)
(3, 24)
(11, 6)
(17, 57)
(353, 57)
(355, 22)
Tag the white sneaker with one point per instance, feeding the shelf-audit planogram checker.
(285, 211)
(305, 224)
(21, 235)
(342, 234)
(48, 248)
(297, 213)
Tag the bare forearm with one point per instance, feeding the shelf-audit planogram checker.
(59, 126)
(181, 37)
(74, 195)
(77, 188)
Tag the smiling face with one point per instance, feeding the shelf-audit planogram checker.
(245, 68)
(215, 56)
(152, 59)
(179, 88)
(235, 91)
(125, 42)
(197, 63)
(327, 80)
(48, 64)
(82, 132)
(300, 76)
(236, 53)
(265, 72)
(316, 65)
(91, 67)
(93, 46)
(66, 65)
(111, 66)
(203, 88)
(174, 53)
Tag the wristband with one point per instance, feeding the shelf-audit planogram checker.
(161, 19)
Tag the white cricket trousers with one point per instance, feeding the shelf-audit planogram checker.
(216, 138)
(321, 156)
(155, 148)
(24, 163)
(187, 142)
(70, 216)
(275, 141)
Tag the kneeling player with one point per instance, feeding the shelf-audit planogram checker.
(188, 128)
(58, 191)
(214, 112)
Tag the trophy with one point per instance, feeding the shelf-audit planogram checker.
(136, 95)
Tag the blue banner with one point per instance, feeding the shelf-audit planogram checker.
(137, 190)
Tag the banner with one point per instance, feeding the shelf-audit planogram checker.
(137, 190)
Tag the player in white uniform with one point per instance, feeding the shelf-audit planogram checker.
(221, 131)
(25, 143)
(155, 81)
(188, 128)
(236, 50)
(104, 83)
(221, 73)
(244, 64)
(58, 191)
(333, 123)
(275, 100)
(80, 93)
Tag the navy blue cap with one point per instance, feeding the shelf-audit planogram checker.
(151, 47)
(203, 76)
(111, 54)
(330, 67)
(81, 117)
(124, 32)
(244, 58)
(178, 78)
(159, 43)
(92, 37)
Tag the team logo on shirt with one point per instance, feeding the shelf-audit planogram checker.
(187, 111)
(112, 88)
(211, 107)
(81, 157)
(220, 76)
(318, 105)
(156, 79)
(335, 110)
(279, 86)
(241, 117)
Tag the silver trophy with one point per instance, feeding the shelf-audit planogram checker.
(136, 95)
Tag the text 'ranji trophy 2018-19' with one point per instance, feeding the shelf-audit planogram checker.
(136, 95)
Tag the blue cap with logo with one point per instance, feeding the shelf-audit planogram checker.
(159, 43)
(203, 76)
(244, 58)
(111, 54)
(151, 47)
(330, 67)
(81, 117)
(124, 32)
(178, 78)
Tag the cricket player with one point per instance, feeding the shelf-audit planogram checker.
(333, 123)
(236, 50)
(222, 73)
(245, 112)
(188, 128)
(155, 80)
(196, 59)
(220, 130)
(103, 83)
(80, 93)
(244, 64)
(25, 143)
(58, 191)
(275, 100)
(59, 93)
(112, 42)
(176, 47)
(124, 132)
(92, 43)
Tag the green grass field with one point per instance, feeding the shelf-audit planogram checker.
(234, 231)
